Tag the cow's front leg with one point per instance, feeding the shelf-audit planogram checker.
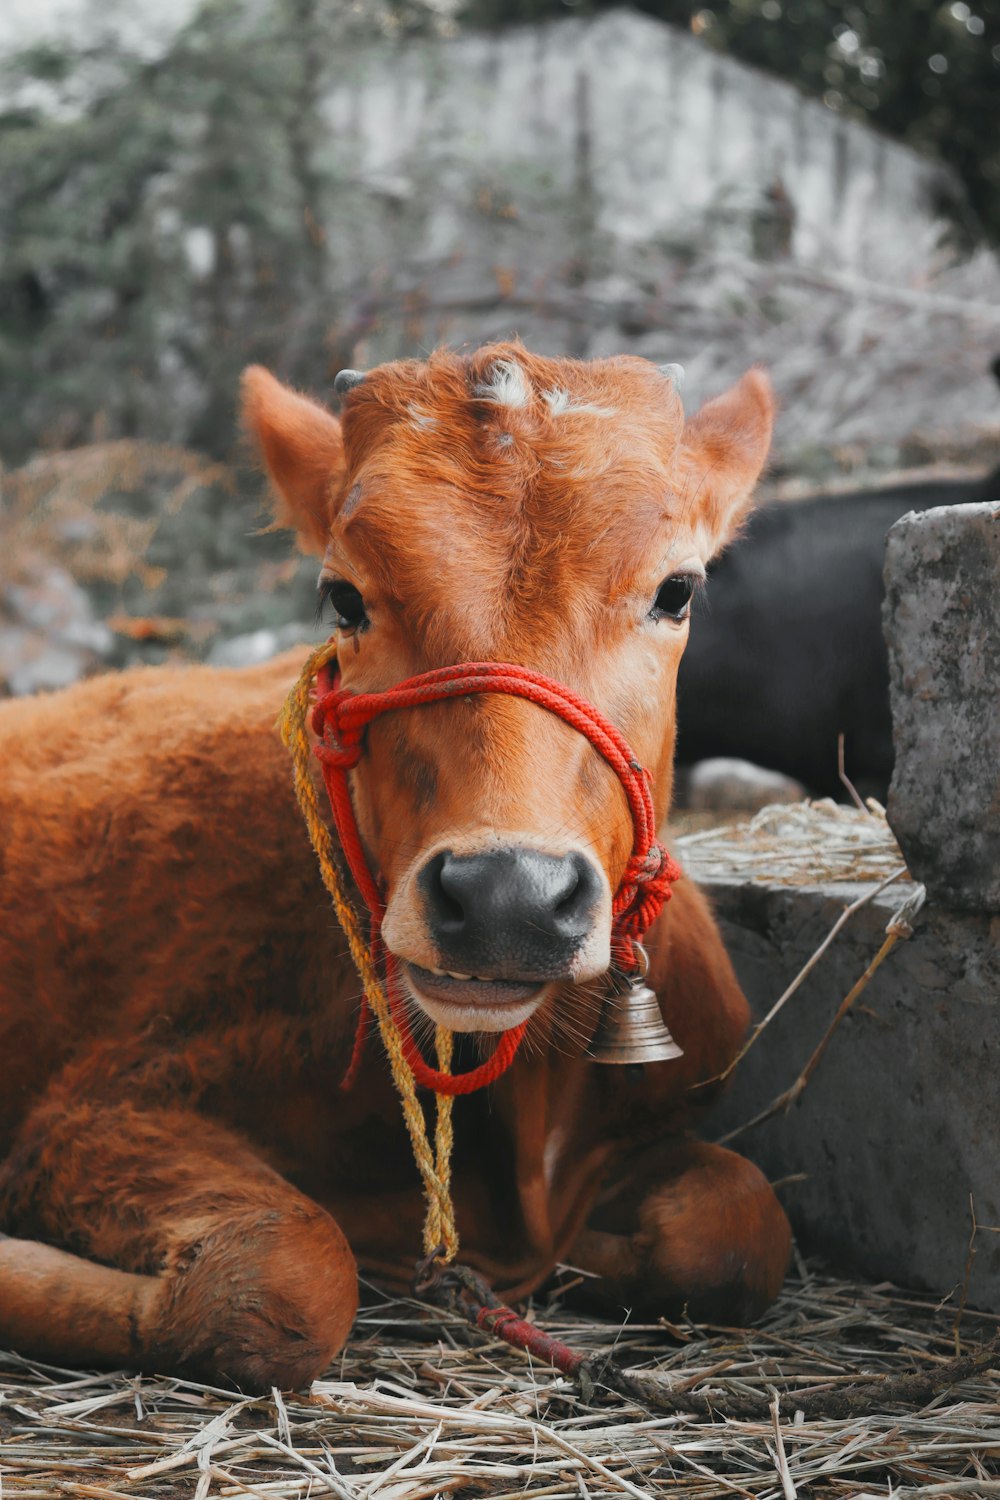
(178, 1250)
(685, 1225)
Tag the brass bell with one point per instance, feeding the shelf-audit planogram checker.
(631, 1028)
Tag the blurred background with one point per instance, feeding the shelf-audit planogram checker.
(323, 183)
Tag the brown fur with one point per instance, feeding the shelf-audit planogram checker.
(184, 1182)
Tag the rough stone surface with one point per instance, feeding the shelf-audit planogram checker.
(899, 1125)
(942, 626)
(665, 128)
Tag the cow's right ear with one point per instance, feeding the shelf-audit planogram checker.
(303, 452)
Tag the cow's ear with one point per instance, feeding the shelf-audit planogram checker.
(722, 452)
(303, 452)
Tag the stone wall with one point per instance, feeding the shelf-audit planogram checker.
(897, 1133)
(612, 185)
(895, 1141)
(646, 131)
(942, 625)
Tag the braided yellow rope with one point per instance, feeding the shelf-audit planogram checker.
(435, 1167)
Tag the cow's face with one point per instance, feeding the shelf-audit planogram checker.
(504, 507)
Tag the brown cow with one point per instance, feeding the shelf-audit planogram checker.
(184, 1185)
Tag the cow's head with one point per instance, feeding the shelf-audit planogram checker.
(504, 507)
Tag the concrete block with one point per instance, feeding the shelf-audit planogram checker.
(900, 1123)
(942, 627)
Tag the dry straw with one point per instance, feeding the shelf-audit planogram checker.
(418, 1407)
(800, 844)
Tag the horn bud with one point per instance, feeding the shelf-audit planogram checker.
(347, 380)
(632, 1029)
(675, 374)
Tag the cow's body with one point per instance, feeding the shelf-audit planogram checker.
(183, 1184)
(788, 653)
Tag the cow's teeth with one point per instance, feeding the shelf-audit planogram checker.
(460, 976)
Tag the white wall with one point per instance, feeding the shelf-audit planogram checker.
(667, 136)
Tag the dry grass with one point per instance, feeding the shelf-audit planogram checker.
(417, 1407)
(800, 844)
(52, 507)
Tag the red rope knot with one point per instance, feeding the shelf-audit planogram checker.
(654, 861)
(646, 887)
(338, 744)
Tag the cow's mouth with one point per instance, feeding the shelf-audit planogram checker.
(466, 1002)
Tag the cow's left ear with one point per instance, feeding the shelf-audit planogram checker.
(722, 452)
(303, 452)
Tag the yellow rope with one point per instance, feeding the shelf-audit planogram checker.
(435, 1167)
(439, 1225)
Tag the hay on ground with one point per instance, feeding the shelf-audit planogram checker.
(419, 1406)
(801, 844)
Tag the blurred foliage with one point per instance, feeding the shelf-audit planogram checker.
(925, 72)
(161, 219)
(56, 507)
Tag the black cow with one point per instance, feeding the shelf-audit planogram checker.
(786, 651)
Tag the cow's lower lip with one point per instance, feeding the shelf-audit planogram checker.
(471, 990)
(474, 1004)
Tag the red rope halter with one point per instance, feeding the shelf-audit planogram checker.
(339, 721)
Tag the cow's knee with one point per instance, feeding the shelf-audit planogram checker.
(709, 1238)
(263, 1298)
(718, 1232)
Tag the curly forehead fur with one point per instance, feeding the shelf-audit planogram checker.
(497, 458)
(503, 424)
(527, 477)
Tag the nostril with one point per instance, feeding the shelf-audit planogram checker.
(444, 890)
(581, 889)
(568, 903)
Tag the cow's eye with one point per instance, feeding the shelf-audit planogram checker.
(346, 602)
(673, 597)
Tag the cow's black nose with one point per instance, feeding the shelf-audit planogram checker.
(510, 913)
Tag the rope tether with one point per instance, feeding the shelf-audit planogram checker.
(339, 719)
